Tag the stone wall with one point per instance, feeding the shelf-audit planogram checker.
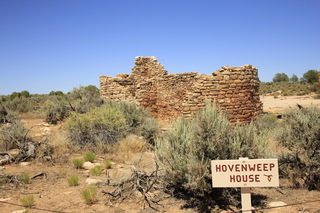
(168, 96)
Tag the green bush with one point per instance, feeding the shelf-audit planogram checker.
(138, 120)
(96, 171)
(78, 163)
(84, 98)
(248, 140)
(89, 156)
(288, 89)
(149, 130)
(266, 122)
(190, 145)
(73, 180)
(56, 110)
(79, 100)
(28, 201)
(317, 96)
(14, 135)
(89, 194)
(21, 104)
(300, 135)
(24, 178)
(99, 125)
(108, 163)
(7, 115)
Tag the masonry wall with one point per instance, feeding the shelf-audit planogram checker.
(168, 96)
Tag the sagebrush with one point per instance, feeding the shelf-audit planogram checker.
(99, 125)
(189, 146)
(300, 135)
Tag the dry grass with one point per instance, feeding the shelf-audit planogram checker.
(58, 140)
(126, 148)
(32, 115)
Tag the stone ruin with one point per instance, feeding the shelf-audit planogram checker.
(168, 96)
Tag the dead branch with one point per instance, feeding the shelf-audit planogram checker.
(5, 158)
(11, 178)
(39, 174)
(140, 183)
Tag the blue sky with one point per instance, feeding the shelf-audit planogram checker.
(56, 45)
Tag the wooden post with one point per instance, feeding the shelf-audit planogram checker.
(245, 195)
(246, 199)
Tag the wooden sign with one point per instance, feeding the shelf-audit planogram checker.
(245, 173)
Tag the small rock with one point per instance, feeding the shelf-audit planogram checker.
(19, 211)
(89, 165)
(92, 181)
(67, 192)
(25, 163)
(277, 204)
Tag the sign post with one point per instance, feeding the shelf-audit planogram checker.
(245, 173)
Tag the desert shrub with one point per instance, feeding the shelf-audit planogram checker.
(27, 201)
(133, 114)
(317, 96)
(190, 145)
(96, 171)
(21, 104)
(78, 163)
(266, 122)
(89, 194)
(73, 180)
(295, 88)
(24, 178)
(55, 110)
(138, 120)
(89, 156)
(108, 164)
(84, 98)
(300, 135)
(4, 180)
(79, 100)
(7, 115)
(248, 140)
(104, 124)
(149, 130)
(313, 87)
(14, 135)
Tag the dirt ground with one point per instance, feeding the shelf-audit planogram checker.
(53, 194)
(277, 105)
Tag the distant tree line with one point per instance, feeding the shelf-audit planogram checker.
(311, 76)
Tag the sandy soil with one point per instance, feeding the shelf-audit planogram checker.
(277, 105)
(53, 194)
